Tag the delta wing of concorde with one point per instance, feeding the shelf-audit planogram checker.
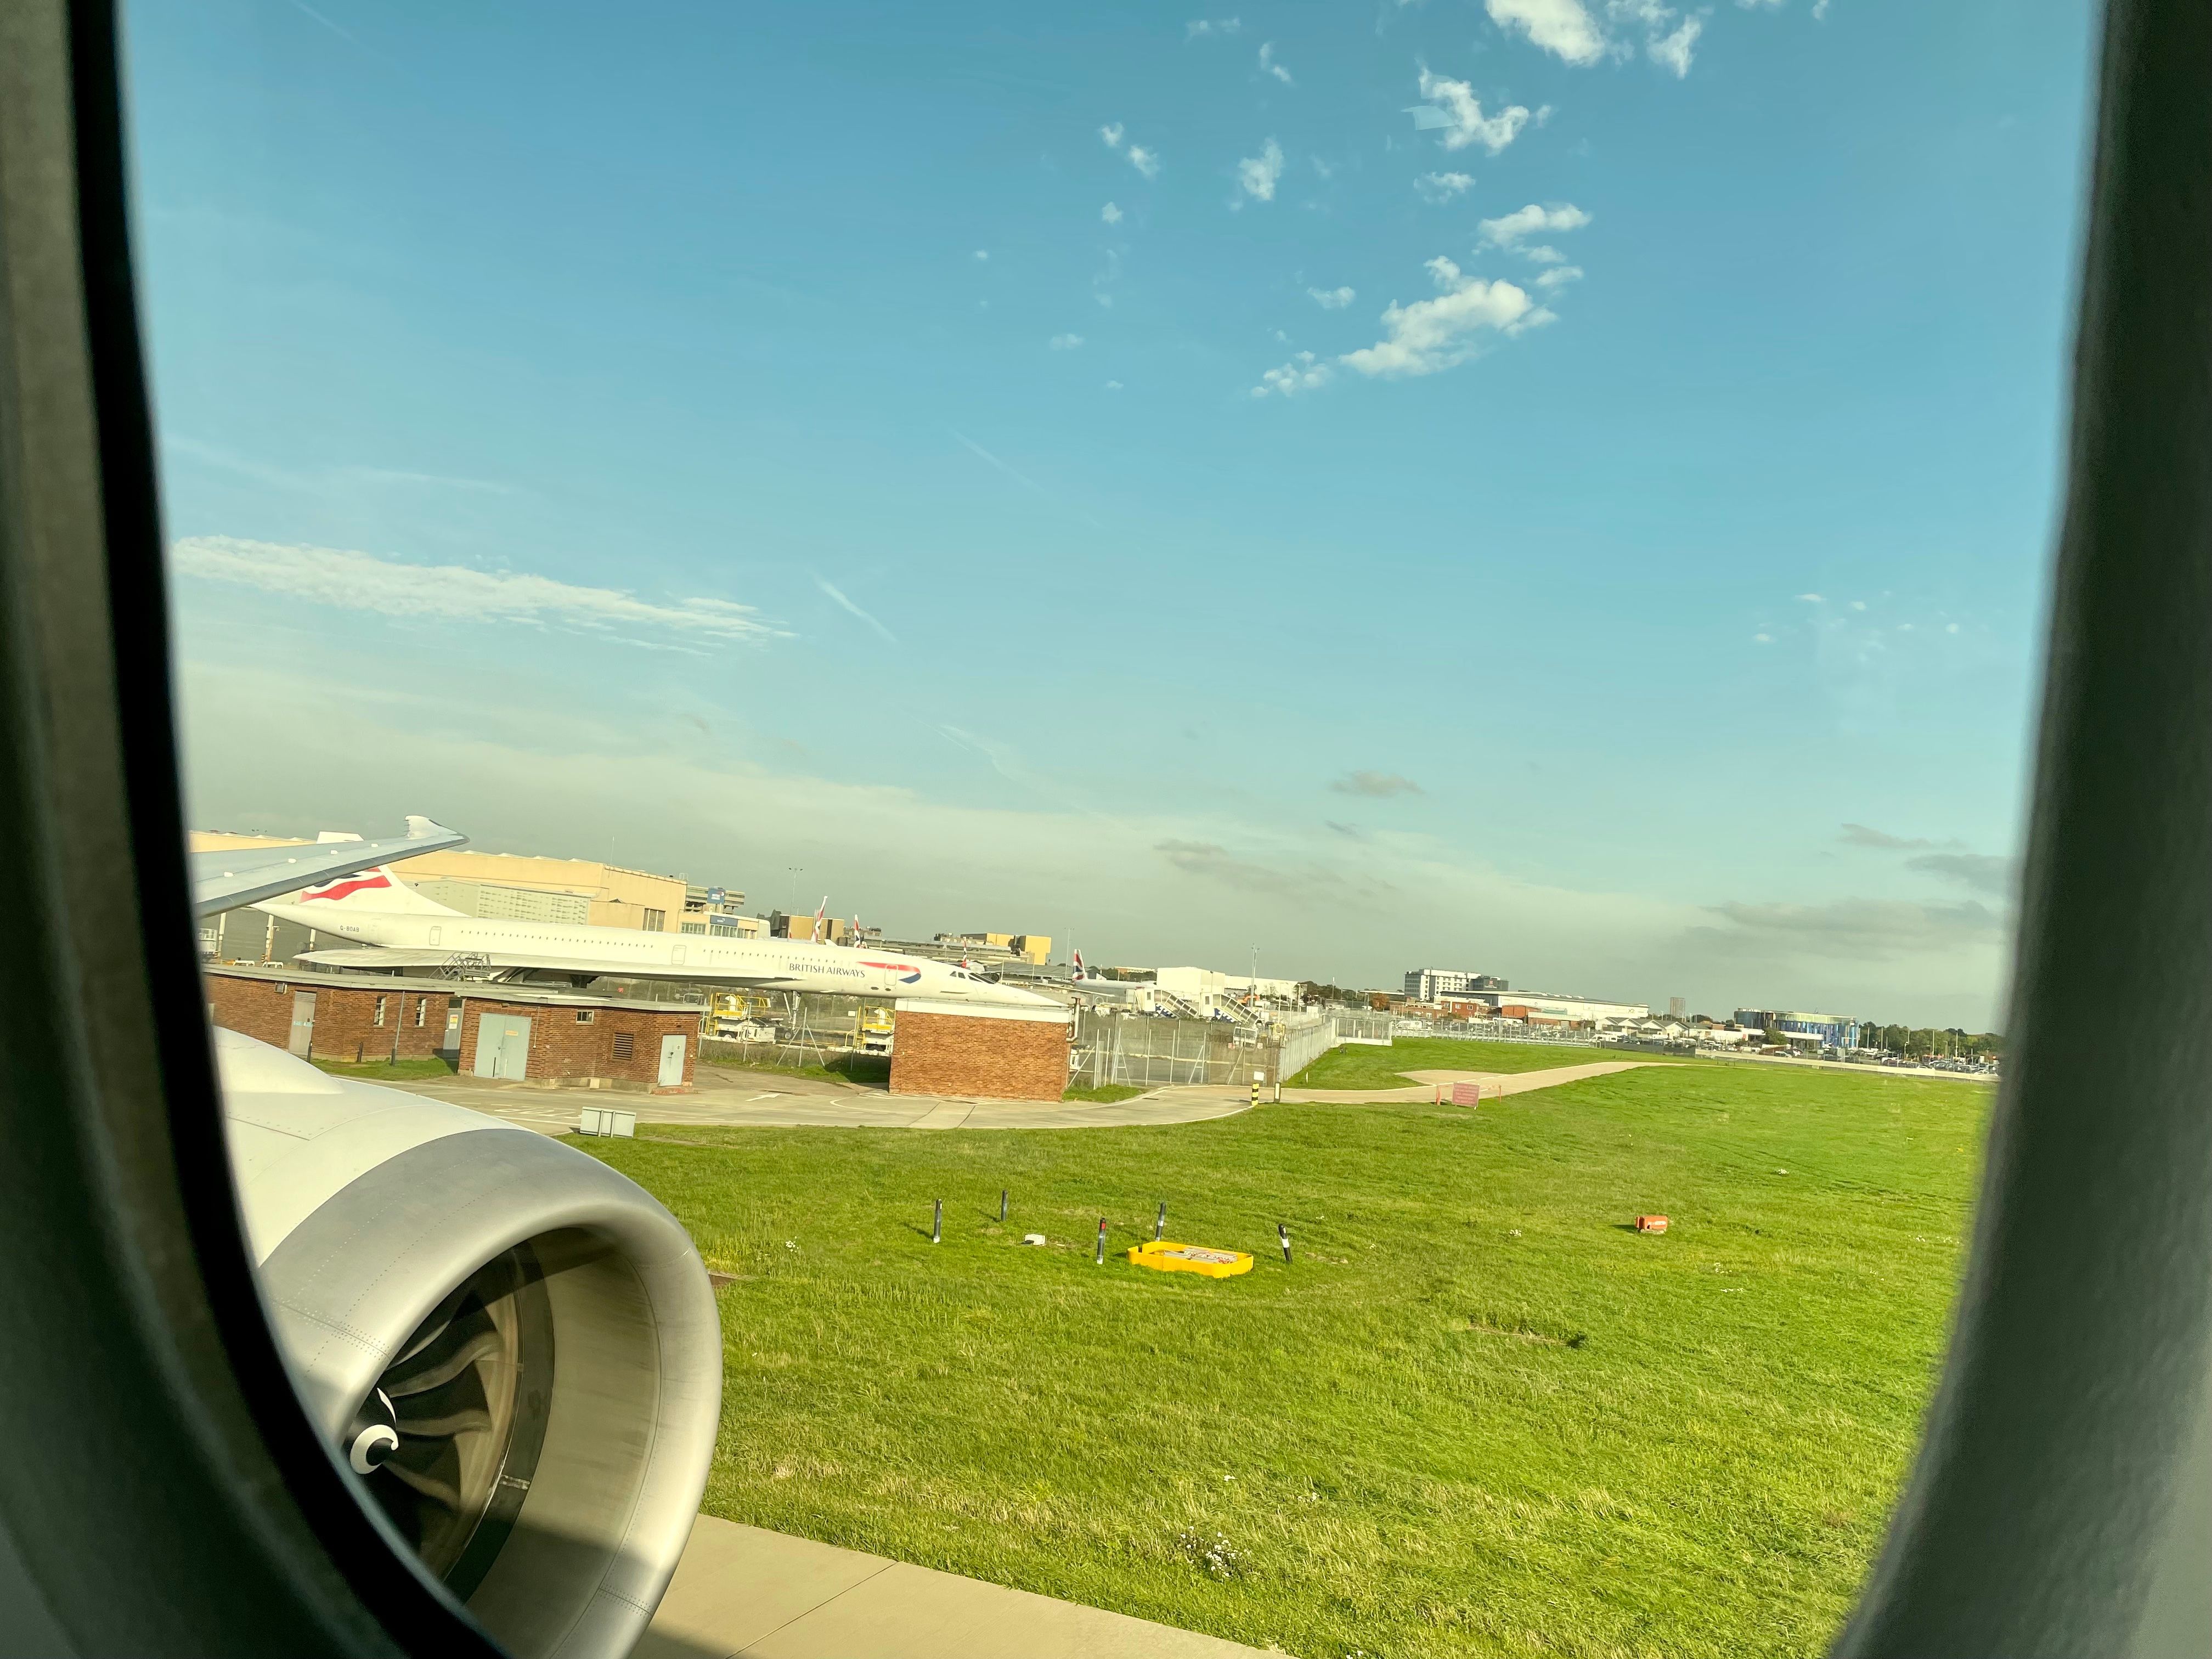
(515, 1349)
(399, 928)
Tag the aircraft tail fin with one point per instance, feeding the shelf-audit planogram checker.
(374, 889)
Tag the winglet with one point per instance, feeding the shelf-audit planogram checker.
(418, 827)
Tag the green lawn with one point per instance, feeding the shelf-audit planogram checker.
(1102, 1093)
(1478, 1415)
(1365, 1066)
(389, 1071)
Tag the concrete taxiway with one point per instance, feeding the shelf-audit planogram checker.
(744, 1591)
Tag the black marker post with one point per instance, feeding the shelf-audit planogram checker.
(1102, 1241)
(937, 1224)
(1002, 1206)
(1160, 1226)
(1283, 1233)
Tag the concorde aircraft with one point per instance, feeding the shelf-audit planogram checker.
(397, 927)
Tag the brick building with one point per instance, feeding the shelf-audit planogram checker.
(961, 1049)
(493, 1031)
(338, 1017)
(552, 1037)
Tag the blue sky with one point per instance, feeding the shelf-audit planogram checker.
(1122, 474)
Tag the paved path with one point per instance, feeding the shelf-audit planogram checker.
(727, 1096)
(741, 1590)
(1501, 1083)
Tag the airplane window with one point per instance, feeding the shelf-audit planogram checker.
(1403, 641)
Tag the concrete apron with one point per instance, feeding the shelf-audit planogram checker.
(768, 1595)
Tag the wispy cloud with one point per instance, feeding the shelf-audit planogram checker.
(1065, 342)
(1379, 784)
(1110, 214)
(1019, 477)
(1269, 66)
(1331, 299)
(321, 477)
(1464, 123)
(1145, 161)
(1200, 27)
(1562, 28)
(1214, 862)
(1301, 373)
(1859, 835)
(1257, 175)
(1437, 187)
(1435, 334)
(1558, 277)
(838, 597)
(1867, 930)
(1981, 873)
(1512, 230)
(364, 581)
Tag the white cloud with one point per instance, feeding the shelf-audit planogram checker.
(1812, 599)
(837, 597)
(1111, 132)
(1066, 341)
(1559, 276)
(1673, 50)
(1762, 639)
(364, 581)
(1562, 27)
(1113, 385)
(1513, 228)
(1110, 214)
(1301, 373)
(1269, 66)
(1146, 162)
(983, 253)
(1200, 26)
(1434, 187)
(1256, 175)
(1105, 301)
(1464, 122)
(1435, 334)
(1331, 299)
(1819, 11)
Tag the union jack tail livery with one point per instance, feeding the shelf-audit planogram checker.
(821, 910)
(1079, 972)
(375, 889)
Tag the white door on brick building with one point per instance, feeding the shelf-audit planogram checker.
(671, 1062)
(503, 1046)
(303, 1024)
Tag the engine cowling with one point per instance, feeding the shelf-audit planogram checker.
(514, 1348)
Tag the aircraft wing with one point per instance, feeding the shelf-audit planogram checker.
(372, 956)
(223, 881)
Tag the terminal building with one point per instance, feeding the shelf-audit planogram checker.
(1828, 1031)
(1435, 984)
(1543, 1008)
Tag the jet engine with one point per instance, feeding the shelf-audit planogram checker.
(514, 1348)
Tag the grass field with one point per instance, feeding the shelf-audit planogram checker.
(1363, 1066)
(390, 1071)
(1478, 1415)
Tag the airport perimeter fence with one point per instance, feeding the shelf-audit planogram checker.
(1512, 1030)
(1143, 1052)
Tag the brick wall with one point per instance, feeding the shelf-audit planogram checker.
(563, 1048)
(966, 1055)
(345, 1016)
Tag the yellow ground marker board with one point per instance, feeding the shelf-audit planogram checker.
(1164, 1256)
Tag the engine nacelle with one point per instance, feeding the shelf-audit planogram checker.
(515, 1348)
